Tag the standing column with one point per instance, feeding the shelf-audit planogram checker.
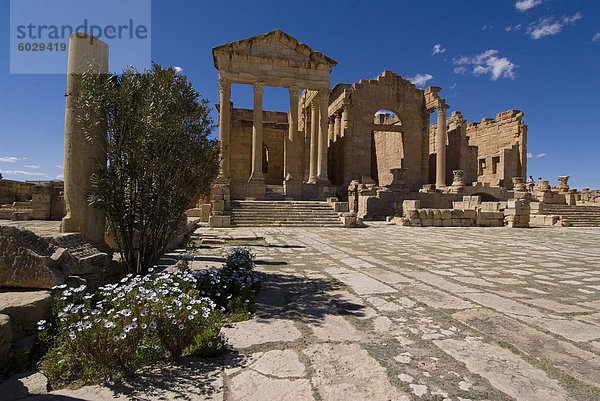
(322, 158)
(440, 146)
(337, 127)
(330, 129)
(314, 135)
(257, 131)
(224, 124)
(291, 151)
(83, 157)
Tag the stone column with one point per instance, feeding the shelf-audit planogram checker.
(257, 131)
(314, 134)
(292, 141)
(322, 156)
(83, 157)
(337, 127)
(330, 129)
(224, 125)
(440, 146)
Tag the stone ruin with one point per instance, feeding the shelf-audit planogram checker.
(370, 143)
(31, 201)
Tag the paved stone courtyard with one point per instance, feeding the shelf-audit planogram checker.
(400, 313)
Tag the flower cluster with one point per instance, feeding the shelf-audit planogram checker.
(144, 319)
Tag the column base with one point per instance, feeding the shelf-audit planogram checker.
(256, 189)
(323, 181)
(293, 189)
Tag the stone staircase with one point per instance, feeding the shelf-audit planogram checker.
(284, 213)
(578, 216)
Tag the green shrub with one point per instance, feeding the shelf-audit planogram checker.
(144, 319)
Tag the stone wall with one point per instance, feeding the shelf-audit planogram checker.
(501, 148)
(36, 201)
(389, 92)
(15, 191)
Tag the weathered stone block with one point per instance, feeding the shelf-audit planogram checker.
(456, 223)
(27, 260)
(465, 222)
(447, 223)
(415, 222)
(340, 206)
(426, 222)
(411, 213)
(457, 214)
(437, 214)
(437, 222)
(411, 204)
(446, 214)
(218, 205)
(25, 309)
(470, 214)
(422, 213)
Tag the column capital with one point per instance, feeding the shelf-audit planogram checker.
(294, 90)
(314, 104)
(224, 84)
(258, 86)
(323, 93)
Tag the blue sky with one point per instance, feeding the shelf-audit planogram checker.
(539, 56)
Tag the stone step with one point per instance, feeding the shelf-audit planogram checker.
(284, 213)
(578, 216)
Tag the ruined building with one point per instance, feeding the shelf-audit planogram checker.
(331, 138)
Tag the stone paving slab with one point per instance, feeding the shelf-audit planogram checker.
(402, 313)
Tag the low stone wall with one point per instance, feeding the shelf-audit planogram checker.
(470, 212)
(44, 201)
(15, 191)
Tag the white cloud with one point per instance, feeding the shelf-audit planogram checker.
(453, 86)
(60, 177)
(531, 155)
(178, 70)
(33, 166)
(437, 49)
(596, 37)
(9, 159)
(420, 79)
(484, 63)
(551, 25)
(487, 26)
(60, 167)
(524, 5)
(21, 172)
(513, 28)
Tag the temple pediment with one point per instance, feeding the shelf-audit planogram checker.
(275, 48)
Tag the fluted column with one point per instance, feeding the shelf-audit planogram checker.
(314, 135)
(330, 129)
(323, 143)
(257, 133)
(440, 146)
(224, 124)
(291, 155)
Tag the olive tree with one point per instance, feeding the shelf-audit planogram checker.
(159, 155)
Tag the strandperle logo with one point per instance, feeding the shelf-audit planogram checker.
(36, 31)
(40, 31)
